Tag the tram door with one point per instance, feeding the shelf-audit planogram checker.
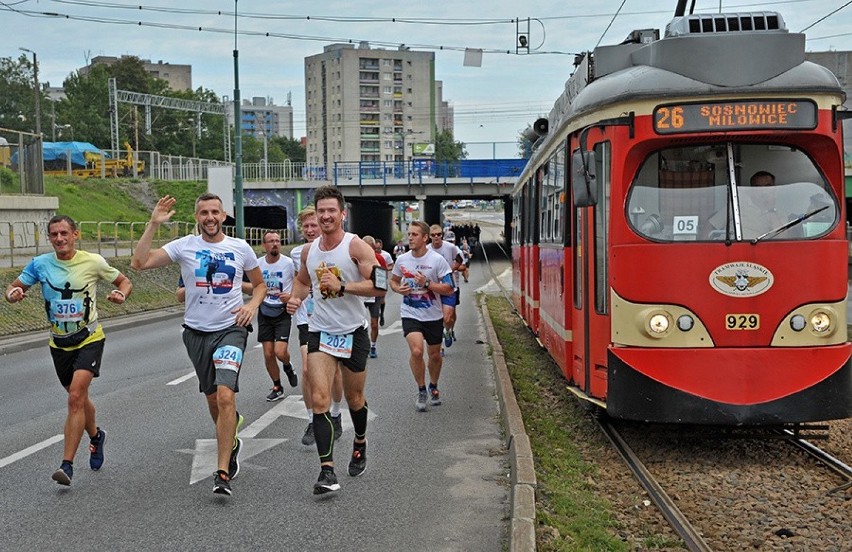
(590, 242)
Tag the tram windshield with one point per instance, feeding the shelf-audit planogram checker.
(751, 192)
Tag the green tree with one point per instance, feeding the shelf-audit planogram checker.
(291, 149)
(17, 95)
(447, 149)
(86, 106)
(524, 144)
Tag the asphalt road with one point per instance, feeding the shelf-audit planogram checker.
(435, 481)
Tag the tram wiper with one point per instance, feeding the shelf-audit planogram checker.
(790, 224)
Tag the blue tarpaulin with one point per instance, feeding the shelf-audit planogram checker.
(58, 151)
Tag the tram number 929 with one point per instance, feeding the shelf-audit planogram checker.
(742, 321)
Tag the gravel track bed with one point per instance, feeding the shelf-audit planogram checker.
(746, 494)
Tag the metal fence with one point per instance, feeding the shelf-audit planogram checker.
(418, 170)
(21, 152)
(110, 239)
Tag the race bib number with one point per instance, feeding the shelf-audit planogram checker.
(228, 358)
(67, 310)
(339, 346)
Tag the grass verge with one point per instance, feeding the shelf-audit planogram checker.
(570, 514)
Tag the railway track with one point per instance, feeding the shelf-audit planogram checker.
(678, 521)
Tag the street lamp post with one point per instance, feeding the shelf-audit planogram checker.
(37, 92)
(238, 139)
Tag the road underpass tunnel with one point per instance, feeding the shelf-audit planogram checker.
(374, 218)
(432, 211)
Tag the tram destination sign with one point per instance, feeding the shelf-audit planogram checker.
(735, 115)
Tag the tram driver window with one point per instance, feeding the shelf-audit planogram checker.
(682, 194)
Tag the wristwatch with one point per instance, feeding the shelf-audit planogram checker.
(427, 284)
(342, 289)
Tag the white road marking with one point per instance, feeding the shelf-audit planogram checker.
(491, 287)
(30, 450)
(204, 461)
(182, 379)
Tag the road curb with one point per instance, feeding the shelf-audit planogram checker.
(523, 479)
(30, 340)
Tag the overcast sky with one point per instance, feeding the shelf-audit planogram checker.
(492, 102)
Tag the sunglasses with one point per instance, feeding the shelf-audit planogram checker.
(436, 235)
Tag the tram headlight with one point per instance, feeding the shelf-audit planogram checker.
(820, 322)
(798, 322)
(658, 324)
(685, 322)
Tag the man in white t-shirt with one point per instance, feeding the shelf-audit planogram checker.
(422, 277)
(216, 322)
(453, 255)
(273, 321)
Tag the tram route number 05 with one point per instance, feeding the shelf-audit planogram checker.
(742, 321)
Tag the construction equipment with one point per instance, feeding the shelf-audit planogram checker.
(84, 161)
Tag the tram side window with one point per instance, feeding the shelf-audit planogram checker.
(551, 203)
(682, 194)
(516, 220)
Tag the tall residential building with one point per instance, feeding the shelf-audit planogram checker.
(261, 116)
(365, 104)
(179, 77)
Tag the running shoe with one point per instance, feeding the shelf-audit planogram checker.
(96, 448)
(64, 474)
(308, 437)
(327, 482)
(434, 396)
(220, 484)
(382, 319)
(292, 378)
(234, 462)
(358, 464)
(421, 401)
(448, 339)
(277, 393)
(373, 353)
(337, 424)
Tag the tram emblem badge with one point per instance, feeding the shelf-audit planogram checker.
(741, 279)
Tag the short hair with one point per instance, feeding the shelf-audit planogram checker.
(379, 242)
(270, 232)
(60, 218)
(369, 240)
(306, 213)
(436, 228)
(421, 225)
(329, 192)
(762, 174)
(207, 196)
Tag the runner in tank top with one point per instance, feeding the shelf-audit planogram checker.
(340, 270)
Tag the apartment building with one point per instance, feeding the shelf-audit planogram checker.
(371, 104)
(261, 116)
(179, 77)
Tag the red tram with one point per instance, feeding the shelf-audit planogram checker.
(678, 234)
